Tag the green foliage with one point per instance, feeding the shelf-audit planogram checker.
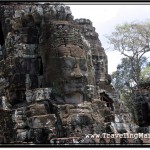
(124, 77)
(130, 37)
(132, 40)
(145, 74)
(123, 81)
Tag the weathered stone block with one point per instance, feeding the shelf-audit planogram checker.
(22, 135)
(22, 50)
(43, 121)
(29, 35)
(6, 126)
(16, 23)
(23, 81)
(27, 66)
(20, 125)
(38, 136)
(15, 94)
(38, 94)
(37, 110)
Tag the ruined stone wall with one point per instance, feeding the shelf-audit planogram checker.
(6, 127)
(142, 104)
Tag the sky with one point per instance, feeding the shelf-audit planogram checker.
(106, 17)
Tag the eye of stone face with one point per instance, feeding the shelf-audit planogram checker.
(82, 64)
(68, 62)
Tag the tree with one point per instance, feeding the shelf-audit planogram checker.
(123, 77)
(123, 81)
(145, 74)
(133, 41)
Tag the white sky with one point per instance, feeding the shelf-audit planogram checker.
(106, 17)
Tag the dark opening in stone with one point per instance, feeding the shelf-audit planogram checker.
(1, 35)
(41, 66)
(109, 101)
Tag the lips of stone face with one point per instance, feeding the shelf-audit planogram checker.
(75, 85)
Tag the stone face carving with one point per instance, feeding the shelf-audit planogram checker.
(67, 53)
(54, 80)
(99, 57)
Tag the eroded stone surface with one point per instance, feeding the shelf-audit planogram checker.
(54, 77)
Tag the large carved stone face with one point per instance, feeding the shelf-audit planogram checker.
(66, 63)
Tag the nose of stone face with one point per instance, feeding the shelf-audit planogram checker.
(76, 73)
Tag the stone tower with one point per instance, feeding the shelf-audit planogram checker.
(54, 82)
